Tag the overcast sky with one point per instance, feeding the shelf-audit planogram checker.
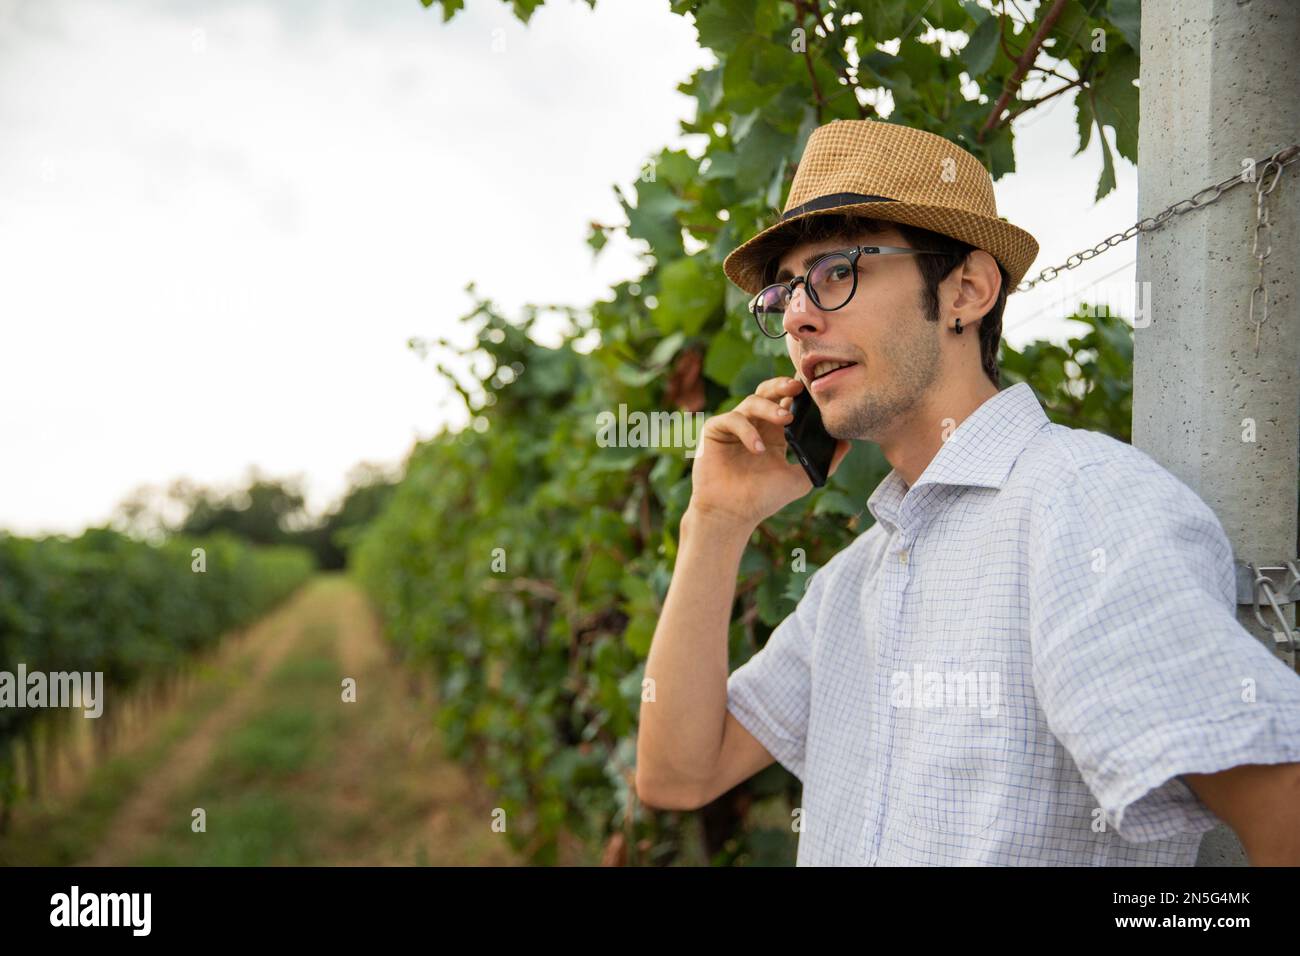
(220, 223)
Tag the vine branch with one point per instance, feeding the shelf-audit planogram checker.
(1022, 67)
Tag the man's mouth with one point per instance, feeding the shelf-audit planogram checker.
(826, 372)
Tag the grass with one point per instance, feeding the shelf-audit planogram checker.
(285, 771)
(258, 796)
(63, 833)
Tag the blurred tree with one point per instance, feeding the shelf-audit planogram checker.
(260, 512)
(263, 510)
(369, 487)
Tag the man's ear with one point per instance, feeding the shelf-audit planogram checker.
(974, 286)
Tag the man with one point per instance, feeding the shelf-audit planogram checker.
(1032, 655)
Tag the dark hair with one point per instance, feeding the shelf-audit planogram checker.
(934, 269)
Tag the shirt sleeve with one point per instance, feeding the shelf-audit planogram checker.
(1139, 663)
(769, 694)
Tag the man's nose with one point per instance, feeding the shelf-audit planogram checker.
(802, 315)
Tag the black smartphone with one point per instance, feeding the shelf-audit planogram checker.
(808, 438)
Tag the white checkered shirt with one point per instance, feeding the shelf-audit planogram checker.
(1017, 660)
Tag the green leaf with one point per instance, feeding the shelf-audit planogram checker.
(1084, 119)
(743, 125)
(654, 218)
(677, 168)
(710, 89)
(834, 502)
(638, 636)
(758, 156)
(723, 25)
(980, 49)
(1069, 36)
(860, 471)
(739, 91)
(524, 9)
(636, 377)
(773, 605)
(1115, 100)
(1107, 181)
(806, 127)
(690, 293)
(885, 19)
(777, 67)
(776, 188)
(798, 584)
(727, 355)
(722, 165)
(751, 563)
(613, 457)
(973, 10)
(1001, 155)
(449, 7)
(1127, 17)
(666, 349)
(756, 371)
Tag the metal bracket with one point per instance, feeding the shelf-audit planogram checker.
(1279, 585)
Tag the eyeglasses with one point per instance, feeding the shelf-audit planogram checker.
(830, 282)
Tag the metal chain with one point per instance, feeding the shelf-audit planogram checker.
(1275, 163)
(1263, 226)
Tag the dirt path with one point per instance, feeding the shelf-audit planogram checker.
(391, 779)
(266, 643)
(368, 783)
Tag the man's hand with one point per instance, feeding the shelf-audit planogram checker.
(740, 473)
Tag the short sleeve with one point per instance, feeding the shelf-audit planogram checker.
(769, 694)
(1139, 663)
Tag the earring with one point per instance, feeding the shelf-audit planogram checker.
(958, 326)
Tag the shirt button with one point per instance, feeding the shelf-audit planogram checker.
(902, 557)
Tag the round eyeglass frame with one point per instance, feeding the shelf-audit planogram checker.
(853, 255)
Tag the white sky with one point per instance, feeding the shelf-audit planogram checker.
(220, 224)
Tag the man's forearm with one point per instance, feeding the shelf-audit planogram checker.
(1261, 803)
(681, 731)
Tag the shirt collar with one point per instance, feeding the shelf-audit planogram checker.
(980, 452)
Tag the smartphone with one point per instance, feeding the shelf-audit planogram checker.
(808, 438)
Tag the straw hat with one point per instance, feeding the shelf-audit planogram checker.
(896, 173)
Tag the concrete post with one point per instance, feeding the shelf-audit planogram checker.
(1218, 84)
